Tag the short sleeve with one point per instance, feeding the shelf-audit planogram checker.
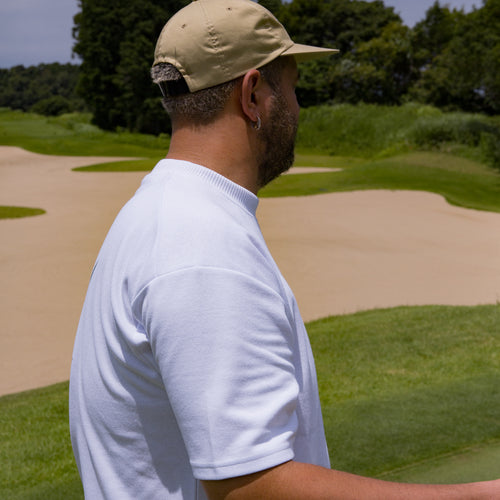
(224, 347)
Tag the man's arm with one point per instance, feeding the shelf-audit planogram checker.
(298, 481)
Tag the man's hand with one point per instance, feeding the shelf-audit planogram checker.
(298, 481)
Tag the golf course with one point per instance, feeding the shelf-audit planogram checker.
(387, 229)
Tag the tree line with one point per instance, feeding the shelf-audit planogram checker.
(450, 59)
(47, 89)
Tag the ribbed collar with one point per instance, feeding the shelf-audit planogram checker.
(236, 192)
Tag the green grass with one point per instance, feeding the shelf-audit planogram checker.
(371, 131)
(408, 384)
(462, 182)
(144, 165)
(73, 135)
(9, 212)
(474, 463)
(409, 394)
(305, 158)
(35, 451)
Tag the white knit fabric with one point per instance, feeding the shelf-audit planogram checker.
(191, 360)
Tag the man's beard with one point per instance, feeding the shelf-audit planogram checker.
(278, 135)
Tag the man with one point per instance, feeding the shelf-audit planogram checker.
(192, 374)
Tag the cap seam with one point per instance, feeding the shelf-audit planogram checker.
(215, 42)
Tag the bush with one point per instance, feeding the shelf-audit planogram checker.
(363, 130)
(490, 148)
(371, 131)
(458, 128)
(52, 106)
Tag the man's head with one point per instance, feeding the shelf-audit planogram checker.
(215, 41)
(208, 49)
(210, 43)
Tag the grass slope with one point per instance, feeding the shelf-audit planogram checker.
(462, 182)
(401, 389)
(371, 131)
(475, 463)
(403, 385)
(35, 451)
(73, 135)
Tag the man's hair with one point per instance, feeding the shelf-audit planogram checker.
(203, 106)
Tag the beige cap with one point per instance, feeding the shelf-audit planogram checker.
(214, 41)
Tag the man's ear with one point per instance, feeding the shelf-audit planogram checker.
(251, 95)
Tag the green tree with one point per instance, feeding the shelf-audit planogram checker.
(433, 34)
(273, 6)
(431, 40)
(52, 106)
(341, 24)
(380, 71)
(23, 88)
(464, 74)
(115, 40)
(490, 82)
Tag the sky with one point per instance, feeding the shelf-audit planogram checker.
(39, 31)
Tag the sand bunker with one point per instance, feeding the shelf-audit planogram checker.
(340, 253)
(346, 252)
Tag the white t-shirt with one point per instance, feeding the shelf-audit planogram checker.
(191, 360)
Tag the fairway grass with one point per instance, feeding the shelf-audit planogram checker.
(8, 212)
(143, 165)
(35, 450)
(73, 135)
(476, 463)
(408, 393)
(407, 384)
(462, 182)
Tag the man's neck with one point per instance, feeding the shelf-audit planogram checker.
(222, 146)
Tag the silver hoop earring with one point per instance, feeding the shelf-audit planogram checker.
(257, 124)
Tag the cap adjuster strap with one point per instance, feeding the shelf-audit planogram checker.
(173, 88)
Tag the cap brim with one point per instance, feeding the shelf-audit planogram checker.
(303, 53)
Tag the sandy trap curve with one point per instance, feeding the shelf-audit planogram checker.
(340, 253)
